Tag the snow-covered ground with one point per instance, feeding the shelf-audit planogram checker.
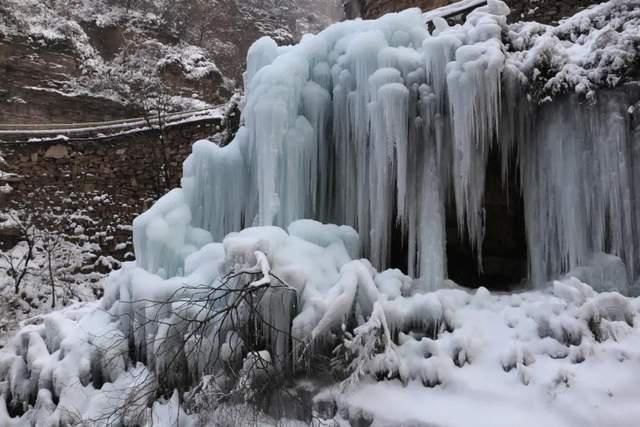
(74, 271)
(562, 356)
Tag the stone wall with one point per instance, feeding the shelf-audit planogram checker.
(545, 11)
(97, 187)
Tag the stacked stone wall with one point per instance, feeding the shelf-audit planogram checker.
(94, 189)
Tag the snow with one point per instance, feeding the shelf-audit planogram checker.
(585, 52)
(104, 130)
(9, 176)
(534, 353)
(73, 282)
(511, 374)
(452, 9)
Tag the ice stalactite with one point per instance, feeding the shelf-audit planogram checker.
(316, 107)
(428, 232)
(212, 206)
(578, 174)
(381, 153)
(474, 90)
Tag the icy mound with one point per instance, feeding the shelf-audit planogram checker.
(387, 128)
(106, 364)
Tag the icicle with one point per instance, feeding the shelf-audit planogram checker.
(362, 54)
(215, 206)
(381, 163)
(579, 194)
(163, 236)
(345, 202)
(277, 309)
(272, 119)
(298, 173)
(438, 52)
(394, 99)
(322, 75)
(430, 224)
(375, 124)
(474, 89)
(261, 54)
(316, 106)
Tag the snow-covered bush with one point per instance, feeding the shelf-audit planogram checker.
(596, 48)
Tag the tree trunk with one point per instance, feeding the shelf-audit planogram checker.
(51, 280)
(23, 273)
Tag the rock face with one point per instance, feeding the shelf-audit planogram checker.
(545, 11)
(32, 89)
(84, 61)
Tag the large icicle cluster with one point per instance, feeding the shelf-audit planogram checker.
(580, 181)
(386, 127)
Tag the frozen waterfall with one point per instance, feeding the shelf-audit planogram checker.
(370, 138)
(387, 127)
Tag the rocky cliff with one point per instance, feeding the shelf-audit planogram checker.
(73, 61)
